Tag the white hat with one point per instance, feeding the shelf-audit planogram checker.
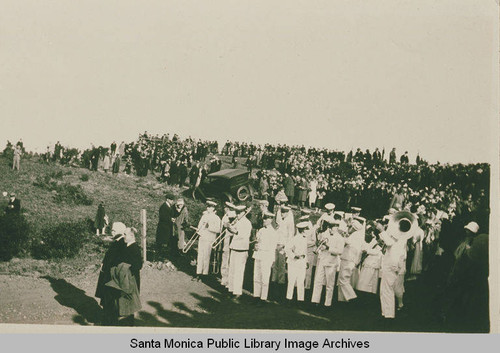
(304, 218)
(473, 227)
(330, 206)
(229, 204)
(211, 203)
(302, 225)
(119, 228)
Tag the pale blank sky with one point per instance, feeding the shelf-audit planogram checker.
(417, 75)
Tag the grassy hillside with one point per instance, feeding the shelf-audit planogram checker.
(123, 196)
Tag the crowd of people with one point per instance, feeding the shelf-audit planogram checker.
(443, 202)
(309, 177)
(301, 255)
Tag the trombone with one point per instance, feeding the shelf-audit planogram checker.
(191, 241)
(323, 242)
(220, 238)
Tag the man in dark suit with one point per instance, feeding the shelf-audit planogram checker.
(165, 229)
(14, 205)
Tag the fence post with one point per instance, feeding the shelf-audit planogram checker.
(143, 233)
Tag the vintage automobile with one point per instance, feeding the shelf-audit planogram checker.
(228, 185)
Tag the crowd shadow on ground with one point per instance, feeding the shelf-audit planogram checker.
(218, 310)
(88, 310)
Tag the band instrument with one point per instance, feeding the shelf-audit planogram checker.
(320, 245)
(394, 229)
(218, 241)
(191, 241)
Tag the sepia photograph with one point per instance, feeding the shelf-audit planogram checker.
(291, 165)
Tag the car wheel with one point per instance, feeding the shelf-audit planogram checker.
(243, 193)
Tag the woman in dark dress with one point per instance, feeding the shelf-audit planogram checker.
(100, 222)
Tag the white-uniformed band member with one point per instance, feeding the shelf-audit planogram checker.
(332, 245)
(329, 209)
(286, 230)
(356, 211)
(370, 268)
(362, 220)
(339, 216)
(311, 248)
(229, 216)
(239, 251)
(393, 266)
(349, 259)
(296, 251)
(208, 227)
(264, 254)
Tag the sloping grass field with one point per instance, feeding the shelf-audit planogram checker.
(123, 196)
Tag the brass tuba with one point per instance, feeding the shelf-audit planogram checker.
(401, 224)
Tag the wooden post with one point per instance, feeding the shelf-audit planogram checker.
(143, 233)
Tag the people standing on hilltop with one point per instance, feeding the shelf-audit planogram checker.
(107, 162)
(113, 148)
(17, 158)
(115, 165)
(392, 156)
